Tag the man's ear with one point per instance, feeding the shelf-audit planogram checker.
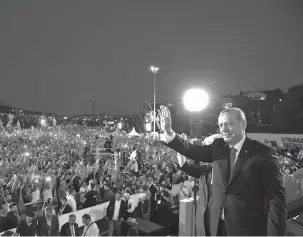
(244, 124)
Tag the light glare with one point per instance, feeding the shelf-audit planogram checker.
(195, 100)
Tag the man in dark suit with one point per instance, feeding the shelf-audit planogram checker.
(71, 227)
(27, 227)
(48, 224)
(65, 208)
(248, 196)
(115, 213)
(11, 219)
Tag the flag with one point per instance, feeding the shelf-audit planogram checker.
(1, 126)
(21, 206)
(18, 126)
(54, 122)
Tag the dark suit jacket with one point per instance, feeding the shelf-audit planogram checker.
(65, 230)
(255, 183)
(67, 209)
(111, 208)
(43, 229)
(11, 221)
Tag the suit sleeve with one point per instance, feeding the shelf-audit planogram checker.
(275, 193)
(62, 232)
(195, 170)
(191, 151)
(108, 210)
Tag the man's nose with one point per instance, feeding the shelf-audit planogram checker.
(224, 128)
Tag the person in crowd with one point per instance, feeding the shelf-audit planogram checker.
(12, 218)
(48, 224)
(48, 188)
(91, 195)
(36, 193)
(90, 227)
(65, 208)
(7, 201)
(163, 206)
(246, 177)
(143, 208)
(130, 212)
(108, 194)
(27, 227)
(70, 228)
(189, 184)
(108, 144)
(115, 213)
(183, 193)
(153, 199)
(81, 199)
(70, 197)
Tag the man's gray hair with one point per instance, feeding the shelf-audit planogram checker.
(240, 115)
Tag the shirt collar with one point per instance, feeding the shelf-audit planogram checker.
(239, 145)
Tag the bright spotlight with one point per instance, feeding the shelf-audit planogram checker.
(195, 100)
(43, 122)
(120, 125)
(26, 154)
(148, 127)
(154, 69)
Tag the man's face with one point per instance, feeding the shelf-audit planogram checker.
(72, 220)
(29, 220)
(48, 214)
(64, 202)
(231, 128)
(118, 196)
(85, 222)
(14, 209)
(8, 198)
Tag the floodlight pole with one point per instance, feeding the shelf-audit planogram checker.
(190, 124)
(155, 104)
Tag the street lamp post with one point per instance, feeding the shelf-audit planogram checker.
(154, 71)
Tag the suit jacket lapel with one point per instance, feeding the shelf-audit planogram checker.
(242, 158)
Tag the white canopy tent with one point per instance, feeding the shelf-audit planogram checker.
(133, 133)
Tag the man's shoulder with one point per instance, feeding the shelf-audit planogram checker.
(259, 147)
(65, 225)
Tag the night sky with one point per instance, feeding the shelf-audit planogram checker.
(72, 51)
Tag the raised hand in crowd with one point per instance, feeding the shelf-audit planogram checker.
(165, 120)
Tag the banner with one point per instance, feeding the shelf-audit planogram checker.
(286, 140)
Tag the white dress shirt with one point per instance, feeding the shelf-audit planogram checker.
(71, 202)
(116, 210)
(131, 206)
(36, 195)
(72, 230)
(91, 230)
(238, 147)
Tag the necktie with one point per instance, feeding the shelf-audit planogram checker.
(232, 159)
(72, 230)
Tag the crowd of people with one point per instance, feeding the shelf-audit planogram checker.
(63, 169)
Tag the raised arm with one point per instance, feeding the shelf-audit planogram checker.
(175, 142)
(192, 151)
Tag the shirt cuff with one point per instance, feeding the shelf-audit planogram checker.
(181, 159)
(168, 139)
